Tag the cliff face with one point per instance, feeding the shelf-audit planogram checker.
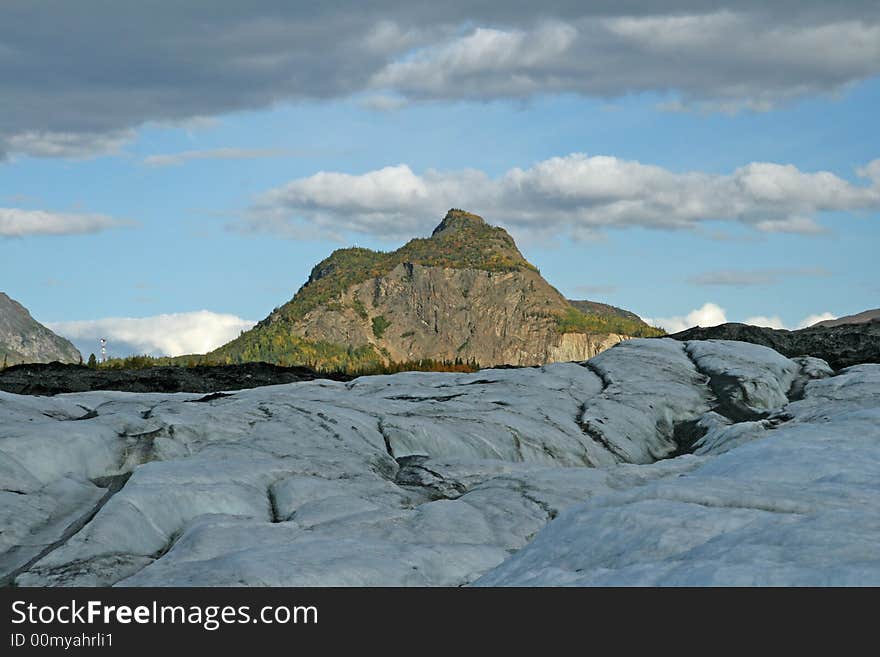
(464, 293)
(418, 312)
(583, 346)
(25, 340)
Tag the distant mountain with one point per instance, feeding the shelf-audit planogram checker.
(604, 310)
(860, 318)
(465, 293)
(24, 340)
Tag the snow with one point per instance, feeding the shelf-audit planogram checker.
(536, 476)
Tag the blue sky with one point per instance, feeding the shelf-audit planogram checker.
(205, 232)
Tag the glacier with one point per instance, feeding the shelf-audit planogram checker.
(657, 462)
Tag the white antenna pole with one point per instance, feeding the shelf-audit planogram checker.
(103, 350)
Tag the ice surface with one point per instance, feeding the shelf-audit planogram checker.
(799, 507)
(554, 475)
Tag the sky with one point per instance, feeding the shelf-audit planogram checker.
(170, 172)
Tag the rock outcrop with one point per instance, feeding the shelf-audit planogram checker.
(841, 345)
(24, 340)
(59, 378)
(859, 318)
(656, 462)
(466, 293)
(498, 318)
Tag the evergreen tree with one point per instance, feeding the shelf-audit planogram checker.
(93, 362)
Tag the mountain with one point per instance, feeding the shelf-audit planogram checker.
(841, 345)
(860, 318)
(24, 340)
(465, 293)
(603, 310)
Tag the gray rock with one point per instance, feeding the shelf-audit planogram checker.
(24, 340)
(840, 346)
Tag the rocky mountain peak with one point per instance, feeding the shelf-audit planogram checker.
(25, 340)
(464, 294)
(456, 220)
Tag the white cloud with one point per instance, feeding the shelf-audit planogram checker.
(175, 159)
(486, 62)
(388, 202)
(716, 60)
(162, 335)
(575, 194)
(67, 145)
(709, 314)
(800, 225)
(15, 222)
(812, 319)
(774, 322)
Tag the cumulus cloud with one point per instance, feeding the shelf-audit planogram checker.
(15, 222)
(75, 76)
(711, 314)
(175, 159)
(813, 319)
(774, 322)
(577, 193)
(161, 335)
(754, 277)
(388, 203)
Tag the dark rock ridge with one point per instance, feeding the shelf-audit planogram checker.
(859, 318)
(57, 378)
(24, 340)
(840, 346)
